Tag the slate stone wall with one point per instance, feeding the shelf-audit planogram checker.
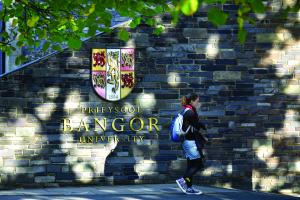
(249, 98)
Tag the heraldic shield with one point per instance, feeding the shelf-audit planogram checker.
(113, 75)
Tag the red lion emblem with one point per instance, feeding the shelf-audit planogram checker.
(99, 59)
(127, 79)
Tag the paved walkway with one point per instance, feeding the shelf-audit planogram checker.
(135, 192)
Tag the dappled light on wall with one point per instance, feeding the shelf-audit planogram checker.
(83, 172)
(130, 44)
(173, 79)
(212, 47)
(210, 171)
(291, 122)
(52, 92)
(264, 152)
(272, 169)
(145, 167)
(72, 102)
(21, 133)
(288, 3)
(297, 166)
(146, 100)
(260, 16)
(44, 111)
(282, 56)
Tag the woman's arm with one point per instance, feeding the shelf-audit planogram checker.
(193, 120)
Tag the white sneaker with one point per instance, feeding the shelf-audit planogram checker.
(191, 190)
(181, 184)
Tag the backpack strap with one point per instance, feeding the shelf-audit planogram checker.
(188, 128)
(186, 109)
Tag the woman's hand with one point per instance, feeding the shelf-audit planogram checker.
(205, 138)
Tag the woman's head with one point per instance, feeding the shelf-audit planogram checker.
(192, 99)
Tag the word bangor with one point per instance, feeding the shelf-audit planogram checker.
(117, 124)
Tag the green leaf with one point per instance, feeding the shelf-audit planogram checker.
(7, 2)
(189, 7)
(158, 30)
(20, 43)
(245, 8)
(74, 43)
(8, 50)
(18, 60)
(91, 10)
(159, 9)
(73, 25)
(14, 22)
(37, 43)
(123, 35)
(135, 22)
(240, 21)
(257, 6)
(242, 34)
(217, 17)
(214, 1)
(57, 38)
(149, 12)
(30, 41)
(92, 31)
(150, 22)
(175, 18)
(46, 46)
(251, 21)
(5, 34)
(31, 22)
(63, 27)
(56, 47)
(21, 37)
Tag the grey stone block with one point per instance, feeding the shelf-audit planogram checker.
(16, 163)
(195, 32)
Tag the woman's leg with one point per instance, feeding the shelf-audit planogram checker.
(189, 165)
(192, 167)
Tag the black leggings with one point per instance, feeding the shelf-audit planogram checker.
(192, 168)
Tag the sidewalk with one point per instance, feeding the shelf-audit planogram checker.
(135, 192)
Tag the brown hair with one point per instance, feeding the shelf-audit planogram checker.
(186, 99)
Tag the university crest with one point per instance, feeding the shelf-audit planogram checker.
(113, 72)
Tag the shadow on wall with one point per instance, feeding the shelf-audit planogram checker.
(251, 111)
(256, 145)
(36, 150)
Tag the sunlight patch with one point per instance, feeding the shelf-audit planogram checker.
(146, 100)
(173, 79)
(212, 49)
(72, 102)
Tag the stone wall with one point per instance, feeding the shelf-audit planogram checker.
(249, 101)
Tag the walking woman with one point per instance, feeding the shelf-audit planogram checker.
(192, 143)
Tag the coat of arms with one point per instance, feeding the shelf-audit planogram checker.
(113, 72)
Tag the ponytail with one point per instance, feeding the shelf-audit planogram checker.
(183, 101)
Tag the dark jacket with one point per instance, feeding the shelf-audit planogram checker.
(190, 117)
